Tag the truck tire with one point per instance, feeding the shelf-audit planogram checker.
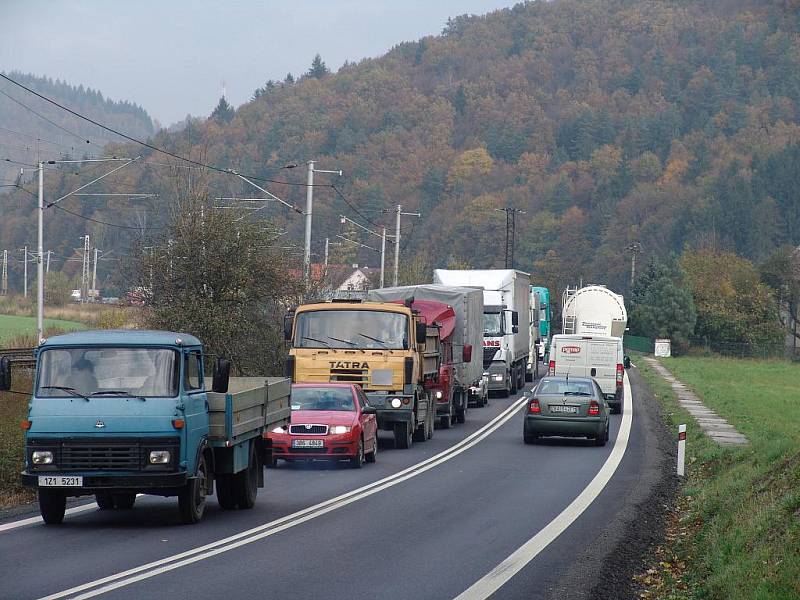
(52, 505)
(402, 436)
(225, 491)
(421, 431)
(245, 483)
(105, 501)
(461, 415)
(445, 421)
(431, 421)
(124, 501)
(514, 381)
(192, 497)
(358, 460)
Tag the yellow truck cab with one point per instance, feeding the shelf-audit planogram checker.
(380, 346)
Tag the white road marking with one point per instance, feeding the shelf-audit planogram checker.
(125, 578)
(492, 581)
(35, 520)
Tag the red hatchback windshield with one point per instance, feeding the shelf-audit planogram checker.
(323, 398)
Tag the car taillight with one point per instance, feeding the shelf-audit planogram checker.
(534, 407)
(551, 370)
(620, 374)
(594, 408)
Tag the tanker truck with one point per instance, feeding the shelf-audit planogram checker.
(593, 310)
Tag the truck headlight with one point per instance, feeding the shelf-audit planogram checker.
(439, 395)
(396, 403)
(42, 457)
(497, 377)
(340, 429)
(159, 457)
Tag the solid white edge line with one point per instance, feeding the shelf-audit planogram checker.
(35, 520)
(516, 561)
(245, 537)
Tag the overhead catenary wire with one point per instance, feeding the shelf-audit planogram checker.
(99, 222)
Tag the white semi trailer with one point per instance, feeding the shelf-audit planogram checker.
(506, 322)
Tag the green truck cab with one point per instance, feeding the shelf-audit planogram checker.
(118, 413)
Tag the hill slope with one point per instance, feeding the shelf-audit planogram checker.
(671, 123)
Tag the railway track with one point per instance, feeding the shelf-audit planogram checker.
(19, 357)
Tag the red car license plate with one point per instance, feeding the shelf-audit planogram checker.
(308, 444)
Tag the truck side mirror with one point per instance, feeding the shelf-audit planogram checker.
(288, 325)
(467, 353)
(514, 319)
(5, 374)
(222, 373)
(422, 333)
(627, 361)
(514, 329)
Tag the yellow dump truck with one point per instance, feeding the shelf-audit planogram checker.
(386, 348)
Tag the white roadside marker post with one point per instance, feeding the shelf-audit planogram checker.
(681, 450)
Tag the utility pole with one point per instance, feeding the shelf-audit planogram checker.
(94, 273)
(309, 210)
(327, 244)
(383, 254)
(47, 269)
(634, 248)
(511, 214)
(85, 270)
(40, 258)
(399, 213)
(25, 277)
(4, 286)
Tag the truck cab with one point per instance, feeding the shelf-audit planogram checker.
(380, 346)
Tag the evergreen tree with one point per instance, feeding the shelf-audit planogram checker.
(666, 310)
(223, 112)
(318, 68)
(289, 80)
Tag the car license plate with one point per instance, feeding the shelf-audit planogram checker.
(308, 444)
(563, 408)
(60, 481)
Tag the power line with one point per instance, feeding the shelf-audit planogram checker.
(85, 218)
(140, 142)
(350, 204)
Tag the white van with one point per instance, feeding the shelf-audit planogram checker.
(599, 357)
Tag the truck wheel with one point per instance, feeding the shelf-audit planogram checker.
(513, 380)
(431, 423)
(446, 421)
(358, 460)
(124, 501)
(52, 506)
(105, 501)
(192, 497)
(245, 483)
(402, 436)
(225, 491)
(461, 415)
(421, 431)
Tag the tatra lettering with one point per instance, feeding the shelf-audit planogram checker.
(344, 364)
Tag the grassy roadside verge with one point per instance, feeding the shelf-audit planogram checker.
(736, 530)
(15, 408)
(12, 326)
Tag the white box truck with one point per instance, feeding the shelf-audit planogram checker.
(600, 357)
(506, 322)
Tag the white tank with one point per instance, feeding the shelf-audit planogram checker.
(594, 310)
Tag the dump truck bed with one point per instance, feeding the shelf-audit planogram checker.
(251, 405)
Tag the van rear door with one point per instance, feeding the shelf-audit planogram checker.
(602, 357)
(570, 356)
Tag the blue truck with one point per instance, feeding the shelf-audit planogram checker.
(118, 413)
(545, 313)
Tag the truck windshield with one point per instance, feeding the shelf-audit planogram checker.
(322, 398)
(492, 324)
(99, 372)
(368, 329)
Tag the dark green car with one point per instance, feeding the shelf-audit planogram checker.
(567, 407)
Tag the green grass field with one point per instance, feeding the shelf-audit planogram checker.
(741, 506)
(13, 326)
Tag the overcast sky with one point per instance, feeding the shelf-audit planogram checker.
(171, 56)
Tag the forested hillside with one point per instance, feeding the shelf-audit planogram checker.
(668, 123)
(54, 132)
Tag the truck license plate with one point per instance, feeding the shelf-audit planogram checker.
(60, 481)
(560, 408)
(307, 444)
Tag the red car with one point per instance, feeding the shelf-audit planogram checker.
(330, 421)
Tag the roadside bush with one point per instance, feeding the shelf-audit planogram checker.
(57, 289)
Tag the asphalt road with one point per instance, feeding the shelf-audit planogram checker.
(428, 522)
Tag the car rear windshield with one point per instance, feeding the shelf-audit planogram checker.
(145, 372)
(557, 387)
(322, 398)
